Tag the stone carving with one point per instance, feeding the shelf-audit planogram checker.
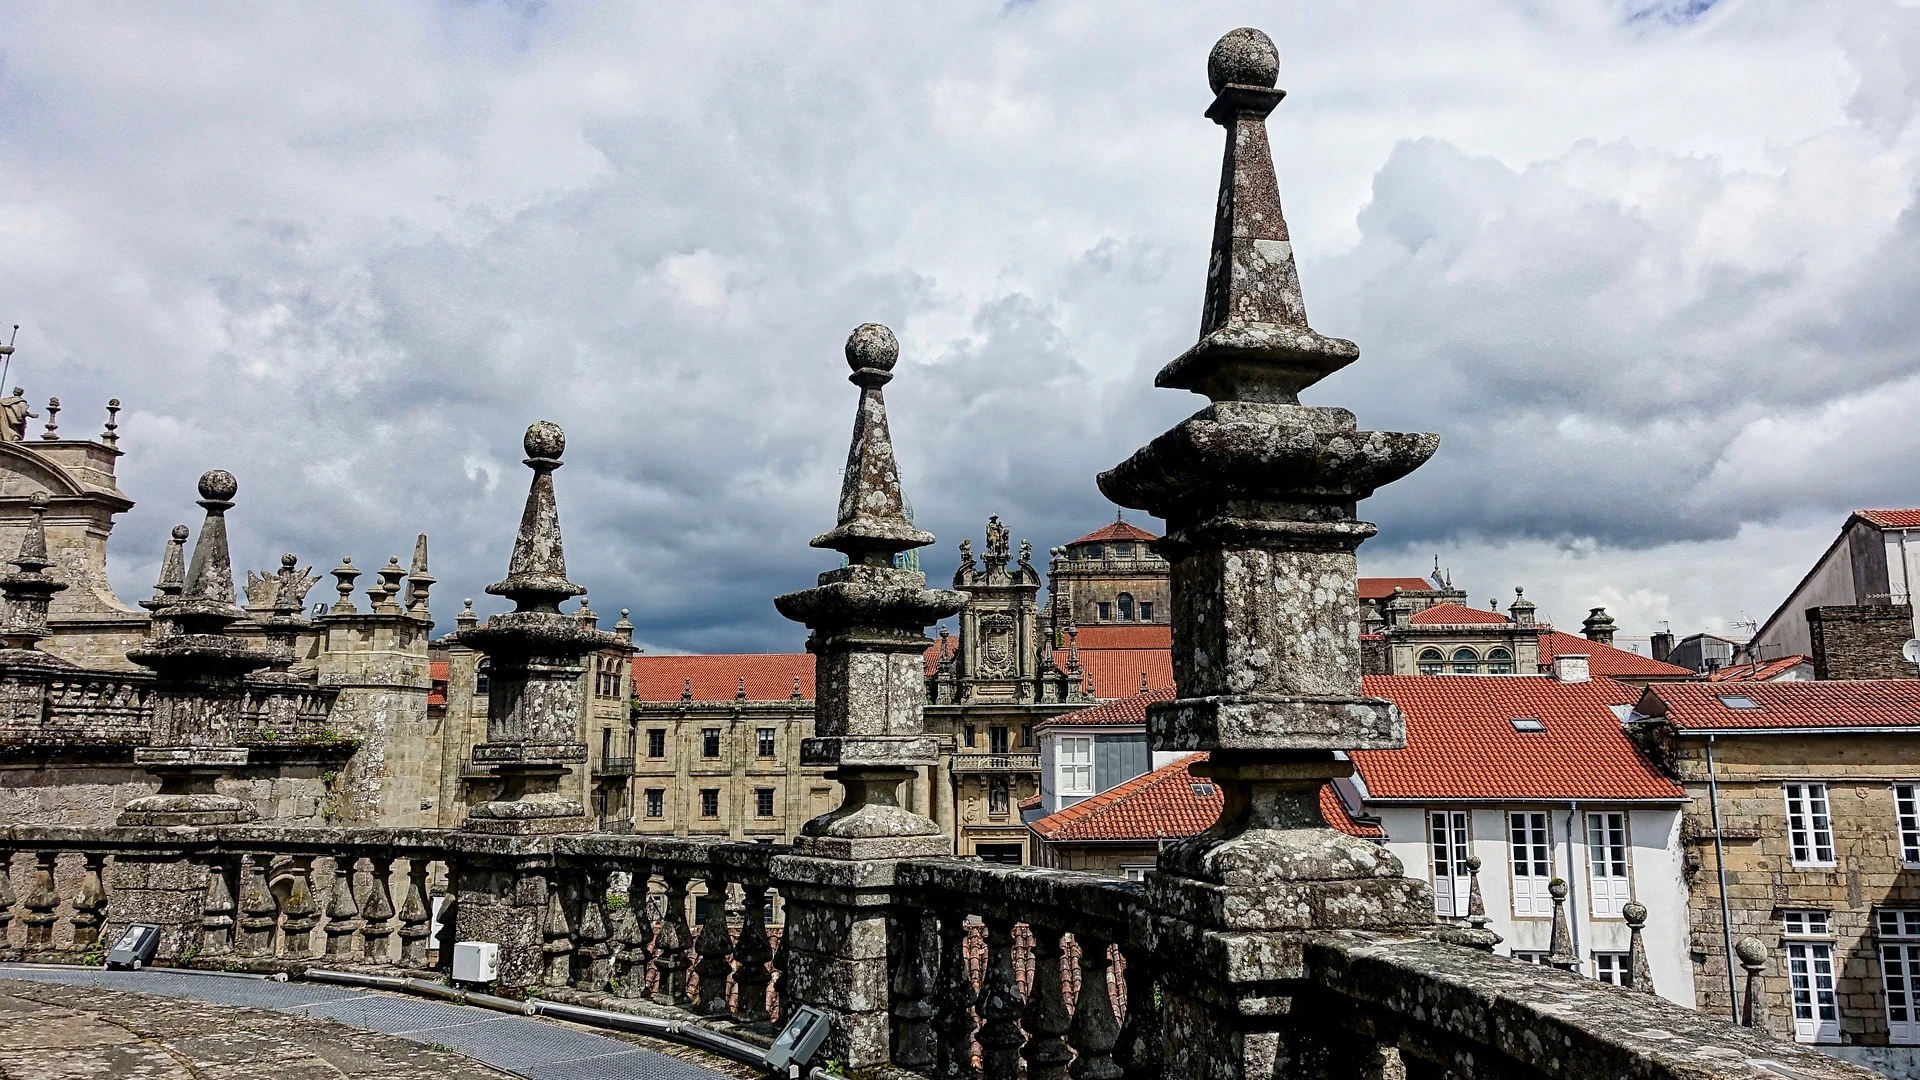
(268, 589)
(14, 415)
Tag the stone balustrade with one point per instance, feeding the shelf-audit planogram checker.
(113, 708)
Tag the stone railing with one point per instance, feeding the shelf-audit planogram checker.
(80, 706)
(975, 761)
(991, 971)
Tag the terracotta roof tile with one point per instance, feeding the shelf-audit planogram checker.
(1126, 636)
(1129, 710)
(1892, 519)
(1119, 530)
(1455, 615)
(1607, 660)
(1379, 588)
(1851, 703)
(1167, 803)
(1115, 672)
(1461, 742)
(716, 677)
(1761, 673)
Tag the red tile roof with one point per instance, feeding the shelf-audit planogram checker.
(1892, 519)
(1117, 672)
(1461, 742)
(1379, 588)
(1607, 660)
(438, 672)
(1119, 530)
(1455, 615)
(1126, 636)
(716, 677)
(1166, 804)
(1128, 710)
(1761, 673)
(1853, 703)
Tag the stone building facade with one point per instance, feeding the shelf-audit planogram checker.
(1110, 575)
(1873, 562)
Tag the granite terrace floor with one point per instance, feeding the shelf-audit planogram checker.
(89, 1024)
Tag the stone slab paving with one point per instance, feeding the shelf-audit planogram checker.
(89, 1024)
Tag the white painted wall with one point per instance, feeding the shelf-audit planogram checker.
(1654, 868)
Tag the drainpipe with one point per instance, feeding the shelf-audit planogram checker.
(1720, 866)
(1573, 894)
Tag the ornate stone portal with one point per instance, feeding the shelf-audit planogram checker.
(1259, 495)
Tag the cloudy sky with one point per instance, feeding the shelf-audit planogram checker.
(1650, 268)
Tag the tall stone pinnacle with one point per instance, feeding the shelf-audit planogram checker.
(210, 573)
(173, 569)
(537, 573)
(28, 590)
(868, 621)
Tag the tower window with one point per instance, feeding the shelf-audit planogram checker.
(483, 677)
(1123, 551)
(1095, 551)
(1465, 662)
(1146, 611)
(1431, 661)
(1106, 612)
(1499, 662)
(1126, 607)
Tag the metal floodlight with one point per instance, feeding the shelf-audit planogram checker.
(135, 947)
(799, 1040)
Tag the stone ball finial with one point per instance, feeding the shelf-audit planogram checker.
(218, 485)
(180, 532)
(1473, 864)
(38, 501)
(1244, 56)
(1557, 889)
(288, 559)
(544, 439)
(1751, 951)
(872, 346)
(1635, 913)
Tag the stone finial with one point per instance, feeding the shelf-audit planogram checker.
(1475, 934)
(625, 626)
(173, 569)
(537, 574)
(1476, 903)
(586, 614)
(53, 420)
(796, 688)
(872, 525)
(111, 436)
(1598, 627)
(1026, 556)
(1752, 953)
(291, 586)
(1639, 973)
(343, 584)
(28, 590)
(1522, 609)
(419, 581)
(1560, 946)
(383, 594)
(1243, 57)
(740, 690)
(686, 689)
(466, 619)
(210, 572)
(1143, 683)
(1073, 651)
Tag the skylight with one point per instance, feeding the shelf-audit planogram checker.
(1203, 790)
(1528, 723)
(1737, 701)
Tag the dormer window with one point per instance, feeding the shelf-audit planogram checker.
(1123, 551)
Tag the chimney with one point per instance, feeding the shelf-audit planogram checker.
(1662, 645)
(1598, 626)
(1860, 642)
(1570, 668)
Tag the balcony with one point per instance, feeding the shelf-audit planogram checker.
(970, 762)
(613, 768)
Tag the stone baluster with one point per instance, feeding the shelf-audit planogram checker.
(298, 913)
(913, 987)
(1142, 1051)
(258, 911)
(1560, 945)
(1094, 1032)
(670, 954)
(714, 951)
(1639, 972)
(416, 915)
(1046, 1018)
(376, 910)
(1753, 957)
(557, 934)
(89, 902)
(634, 931)
(217, 910)
(782, 999)
(1000, 1006)
(343, 910)
(593, 941)
(954, 1001)
(41, 902)
(751, 953)
(7, 900)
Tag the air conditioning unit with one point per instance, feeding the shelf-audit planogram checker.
(476, 961)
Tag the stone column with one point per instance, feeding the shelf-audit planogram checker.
(868, 623)
(534, 728)
(1259, 493)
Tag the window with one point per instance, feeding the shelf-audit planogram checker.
(657, 742)
(1447, 833)
(766, 741)
(1528, 723)
(763, 801)
(1899, 972)
(656, 802)
(1146, 611)
(1106, 612)
(968, 735)
(1499, 662)
(1123, 551)
(1738, 701)
(1809, 826)
(1906, 808)
(1095, 551)
(1004, 854)
(1612, 967)
(1076, 765)
(997, 739)
(1816, 1009)
(606, 743)
(1126, 606)
(1465, 662)
(1026, 736)
(1135, 871)
(1532, 849)
(1430, 661)
(483, 677)
(709, 802)
(1530, 956)
(710, 742)
(1607, 863)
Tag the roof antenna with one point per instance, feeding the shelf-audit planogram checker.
(6, 353)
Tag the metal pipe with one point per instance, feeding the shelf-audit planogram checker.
(1573, 896)
(1720, 867)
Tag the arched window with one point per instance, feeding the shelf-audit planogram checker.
(1126, 607)
(483, 677)
(1465, 661)
(1430, 661)
(1499, 662)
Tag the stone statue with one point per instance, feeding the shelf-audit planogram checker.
(996, 537)
(14, 415)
